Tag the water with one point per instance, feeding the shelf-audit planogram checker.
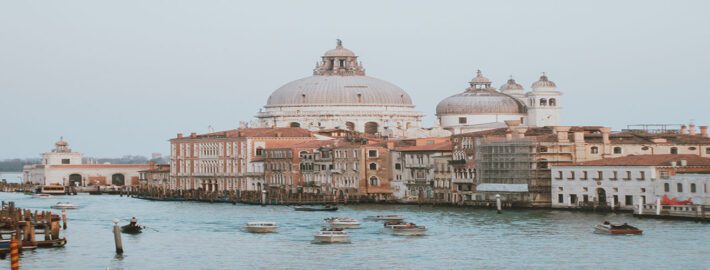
(207, 236)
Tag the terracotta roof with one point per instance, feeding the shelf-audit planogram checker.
(445, 146)
(648, 160)
(290, 132)
(628, 137)
(158, 169)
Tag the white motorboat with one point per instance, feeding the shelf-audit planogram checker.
(331, 236)
(65, 205)
(410, 229)
(385, 218)
(261, 227)
(343, 223)
(42, 196)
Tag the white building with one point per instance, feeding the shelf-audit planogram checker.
(627, 181)
(482, 107)
(63, 167)
(340, 95)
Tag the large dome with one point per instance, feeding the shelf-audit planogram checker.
(480, 98)
(339, 90)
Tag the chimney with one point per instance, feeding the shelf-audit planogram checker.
(703, 131)
(691, 129)
(605, 135)
(179, 135)
(193, 135)
(673, 164)
(508, 136)
(683, 129)
(562, 134)
(683, 163)
(579, 136)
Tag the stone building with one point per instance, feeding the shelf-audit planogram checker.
(158, 175)
(340, 95)
(226, 160)
(416, 169)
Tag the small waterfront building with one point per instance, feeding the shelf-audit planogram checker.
(62, 166)
(625, 182)
(417, 163)
(158, 175)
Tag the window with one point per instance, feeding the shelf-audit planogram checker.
(642, 176)
(595, 150)
(397, 166)
(600, 175)
(617, 150)
(259, 151)
(571, 175)
(665, 175)
(560, 198)
(584, 175)
(65, 161)
(629, 200)
(615, 175)
(666, 187)
(374, 181)
(462, 120)
(559, 175)
(372, 153)
(553, 102)
(707, 150)
(543, 102)
(674, 150)
(373, 166)
(628, 175)
(573, 199)
(585, 198)
(679, 187)
(692, 188)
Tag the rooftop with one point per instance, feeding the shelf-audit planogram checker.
(649, 160)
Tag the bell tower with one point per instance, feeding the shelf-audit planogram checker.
(543, 103)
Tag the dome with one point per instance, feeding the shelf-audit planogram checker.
(339, 51)
(480, 102)
(543, 83)
(339, 90)
(61, 142)
(480, 98)
(511, 85)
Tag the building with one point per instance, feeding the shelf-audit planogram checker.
(481, 107)
(227, 160)
(62, 166)
(340, 95)
(416, 169)
(626, 182)
(158, 175)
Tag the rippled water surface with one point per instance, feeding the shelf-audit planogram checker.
(189, 235)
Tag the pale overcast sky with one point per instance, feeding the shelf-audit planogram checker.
(123, 77)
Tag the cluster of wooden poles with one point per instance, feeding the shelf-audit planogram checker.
(20, 227)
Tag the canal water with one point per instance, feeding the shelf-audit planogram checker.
(188, 235)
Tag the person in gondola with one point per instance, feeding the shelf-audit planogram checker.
(134, 222)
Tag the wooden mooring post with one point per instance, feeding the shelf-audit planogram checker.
(498, 204)
(117, 237)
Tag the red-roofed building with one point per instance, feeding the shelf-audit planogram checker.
(422, 172)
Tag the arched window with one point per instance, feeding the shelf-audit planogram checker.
(259, 151)
(707, 150)
(543, 102)
(666, 187)
(371, 128)
(542, 149)
(374, 181)
(679, 187)
(617, 150)
(294, 124)
(692, 188)
(595, 150)
(373, 166)
(350, 126)
(542, 164)
(553, 102)
(674, 150)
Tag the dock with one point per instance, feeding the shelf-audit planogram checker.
(681, 212)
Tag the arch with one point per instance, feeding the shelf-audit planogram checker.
(118, 179)
(542, 164)
(294, 124)
(692, 188)
(552, 102)
(374, 181)
(371, 128)
(350, 126)
(373, 166)
(75, 180)
(543, 102)
(601, 195)
(595, 150)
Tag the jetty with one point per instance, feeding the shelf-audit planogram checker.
(32, 229)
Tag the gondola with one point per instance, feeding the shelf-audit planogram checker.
(130, 229)
(313, 209)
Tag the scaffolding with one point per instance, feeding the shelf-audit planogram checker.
(501, 161)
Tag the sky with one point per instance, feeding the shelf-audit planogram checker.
(123, 77)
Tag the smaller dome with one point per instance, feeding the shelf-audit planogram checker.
(479, 79)
(340, 51)
(511, 85)
(543, 83)
(61, 142)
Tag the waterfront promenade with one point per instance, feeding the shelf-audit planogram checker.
(192, 235)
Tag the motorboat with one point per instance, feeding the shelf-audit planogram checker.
(343, 223)
(324, 208)
(409, 229)
(65, 205)
(385, 218)
(390, 224)
(132, 229)
(261, 227)
(331, 236)
(42, 196)
(616, 229)
(4, 246)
